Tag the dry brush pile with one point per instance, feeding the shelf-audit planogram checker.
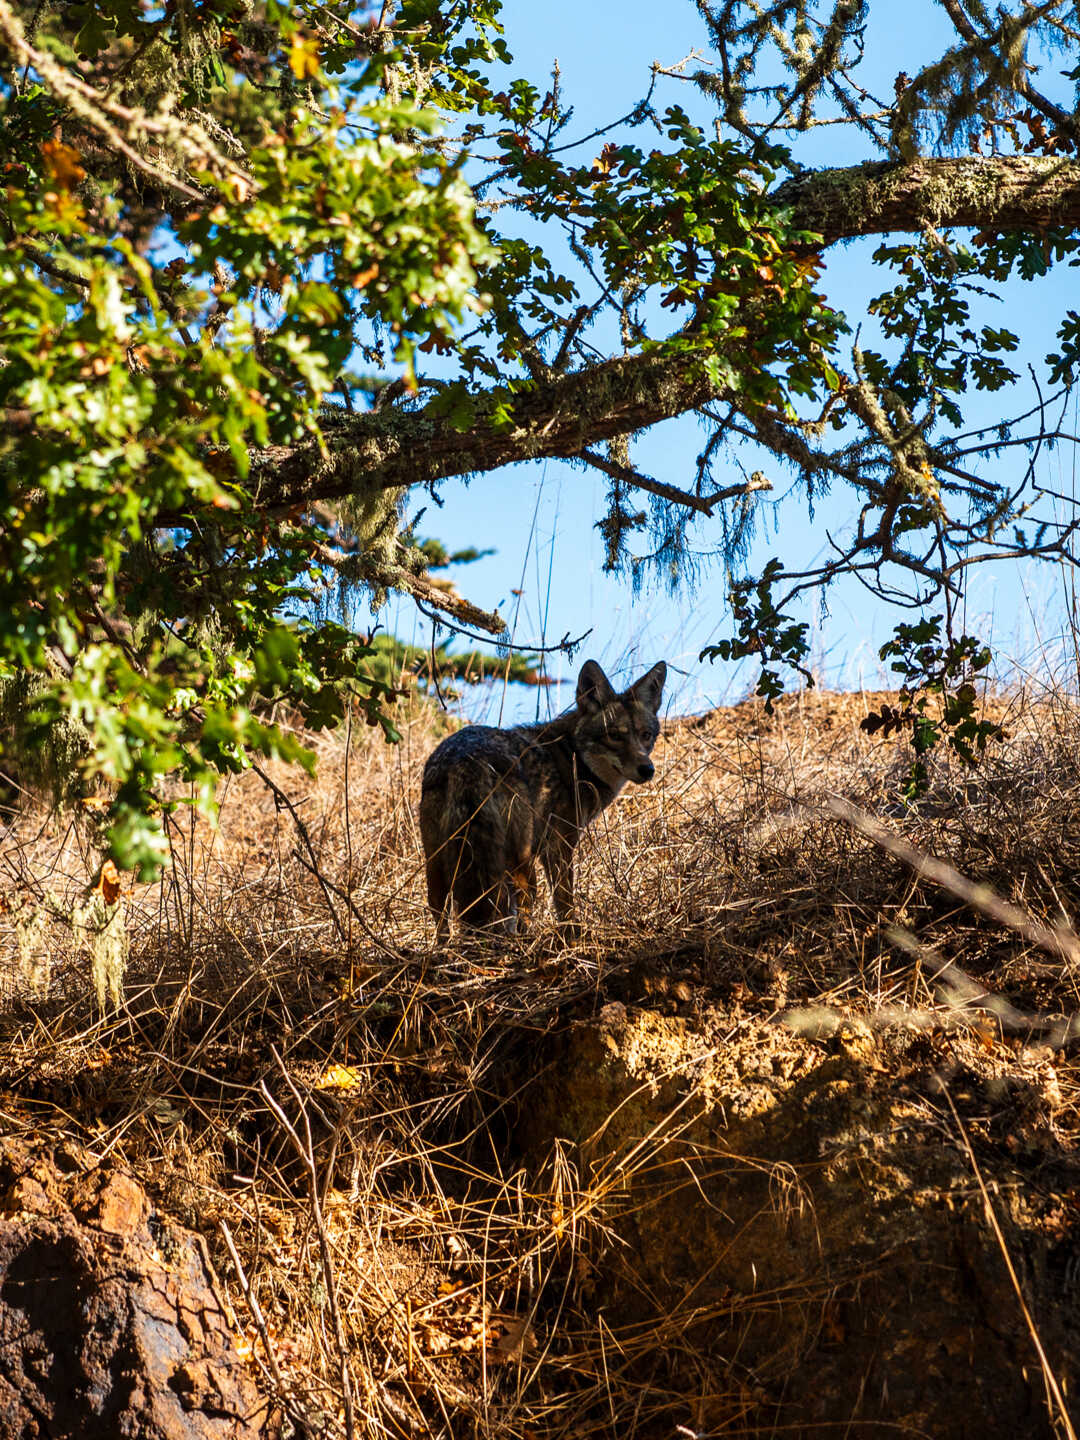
(416, 1221)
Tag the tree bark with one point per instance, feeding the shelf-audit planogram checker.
(1014, 192)
(562, 416)
(387, 449)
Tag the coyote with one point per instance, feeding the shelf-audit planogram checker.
(495, 801)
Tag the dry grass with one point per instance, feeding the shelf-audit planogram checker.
(297, 1075)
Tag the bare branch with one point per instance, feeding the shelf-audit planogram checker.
(703, 504)
(1004, 192)
(565, 414)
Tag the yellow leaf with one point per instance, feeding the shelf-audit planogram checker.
(304, 57)
(62, 163)
(63, 206)
(357, 978)
(339, 1077)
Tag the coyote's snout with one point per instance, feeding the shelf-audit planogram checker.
(496, 801)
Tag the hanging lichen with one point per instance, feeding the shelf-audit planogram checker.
(375, 549)
(98, 927)
(371, 524)
(39, 757)
(101, 928)
(31, 948)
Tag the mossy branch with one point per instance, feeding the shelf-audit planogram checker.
(566, 414)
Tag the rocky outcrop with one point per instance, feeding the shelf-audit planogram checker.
(110, 1321)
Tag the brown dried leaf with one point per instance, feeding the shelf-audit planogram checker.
(516, 1340)
(108, 883)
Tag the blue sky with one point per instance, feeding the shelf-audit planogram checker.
(540, 517)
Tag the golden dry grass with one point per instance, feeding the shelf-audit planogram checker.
(299, 1076)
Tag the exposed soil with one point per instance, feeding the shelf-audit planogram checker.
(805, 1214)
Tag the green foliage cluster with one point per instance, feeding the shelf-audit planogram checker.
(689, 227)
(933, 663)
(929, 313)
(162, 613)
(763, 633)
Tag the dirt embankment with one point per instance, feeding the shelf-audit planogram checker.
(786, 1145)
(801, 1212)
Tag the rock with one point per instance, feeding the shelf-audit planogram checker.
(110, 1321)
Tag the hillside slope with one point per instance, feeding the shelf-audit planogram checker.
(785, 1145)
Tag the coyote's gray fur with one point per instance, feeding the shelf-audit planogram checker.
(496, 801)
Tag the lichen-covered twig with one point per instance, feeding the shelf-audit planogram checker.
(115, 123)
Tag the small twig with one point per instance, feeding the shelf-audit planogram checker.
(252, 1302)
(306, 1153)
(299, 1420)
(344, 896)
(574, 324)
(565, 646)
(703, 504)
(302, 830)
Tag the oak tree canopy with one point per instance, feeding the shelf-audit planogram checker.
(274, 273)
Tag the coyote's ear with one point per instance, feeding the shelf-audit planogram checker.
(593, 687)
(650, 687)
